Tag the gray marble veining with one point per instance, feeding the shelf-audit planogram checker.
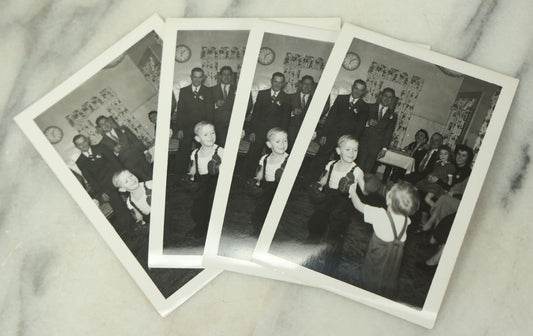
(57, 276)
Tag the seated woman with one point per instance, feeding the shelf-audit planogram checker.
(463, 160)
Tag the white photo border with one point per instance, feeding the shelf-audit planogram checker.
(156, 255)
(427, 315)
(26, 122)
(211, 256)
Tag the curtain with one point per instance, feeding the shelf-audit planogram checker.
(295, 66)
(214, 58)
(378, 78)
(461, 113)
(106, 103)
(485, 123)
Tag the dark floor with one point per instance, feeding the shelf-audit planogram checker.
(238, 238)
(289, 243)
(178, 220)
(167, 281)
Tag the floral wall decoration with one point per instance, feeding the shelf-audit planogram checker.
(378, 75)
(295, 66)
(106, 103)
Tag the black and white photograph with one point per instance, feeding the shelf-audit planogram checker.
(287, 68)
(202, 63)
(396, 134)
(99, 133)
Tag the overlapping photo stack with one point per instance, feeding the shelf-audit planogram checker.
(293, 149)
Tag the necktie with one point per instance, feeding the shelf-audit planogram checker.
(380, 114)
(303, 101)
(225, 91)
(195, 93)
(425, 161)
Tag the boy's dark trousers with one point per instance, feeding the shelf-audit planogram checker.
(332, 216)
(262, 205)
(203, 202)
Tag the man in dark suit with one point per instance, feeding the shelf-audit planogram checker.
(300, 102)
(224, 96)
(347, 116)
(272, 108)
(377, 134)
(195, 104)
(131, 152)
(98, 164)
(425, 167)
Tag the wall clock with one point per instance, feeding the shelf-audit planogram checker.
(183, 53)
(266, 56)
(54, 134)
(351, 61)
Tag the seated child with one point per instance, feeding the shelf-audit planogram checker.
(334, 212)
(381, 268)
(204, 167)
(269, 173)
(139, 194)
(443, 171)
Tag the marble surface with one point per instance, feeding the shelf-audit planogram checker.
(58, 277)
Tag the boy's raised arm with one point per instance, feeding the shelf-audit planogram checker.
(355, 199)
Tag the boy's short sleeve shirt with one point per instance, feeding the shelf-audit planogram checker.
(381, 224)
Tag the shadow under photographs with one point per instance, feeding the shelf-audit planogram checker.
(167, 281)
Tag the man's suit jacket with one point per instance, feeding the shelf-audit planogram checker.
(296, 103)
(192, 110)
(380, 135)
(99, 170)
(343, 119)
(132, 148)
(429, 166)
(268, 113)
(222, 114)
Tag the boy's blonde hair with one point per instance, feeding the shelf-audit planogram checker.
(116, 177)
(273, 131)
(344, 139)
(201, 124)
(403, 198)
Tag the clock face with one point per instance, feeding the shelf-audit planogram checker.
(351, 61)
(183, 53)
(266, 56)
(54, 134)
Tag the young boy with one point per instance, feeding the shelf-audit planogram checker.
(334, 212)
(381, 268)
(205, 163)
(140, 194)
(269, 173)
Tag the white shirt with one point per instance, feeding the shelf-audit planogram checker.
(336, 175)
(304, 98)
(383, 110)
(269, 172)
(140, 199)
(225, 88)
(381, 224)
(112, 134)
(195, 88)
(88, 153)
(353, 100)
(203, 161)
(274, 93)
